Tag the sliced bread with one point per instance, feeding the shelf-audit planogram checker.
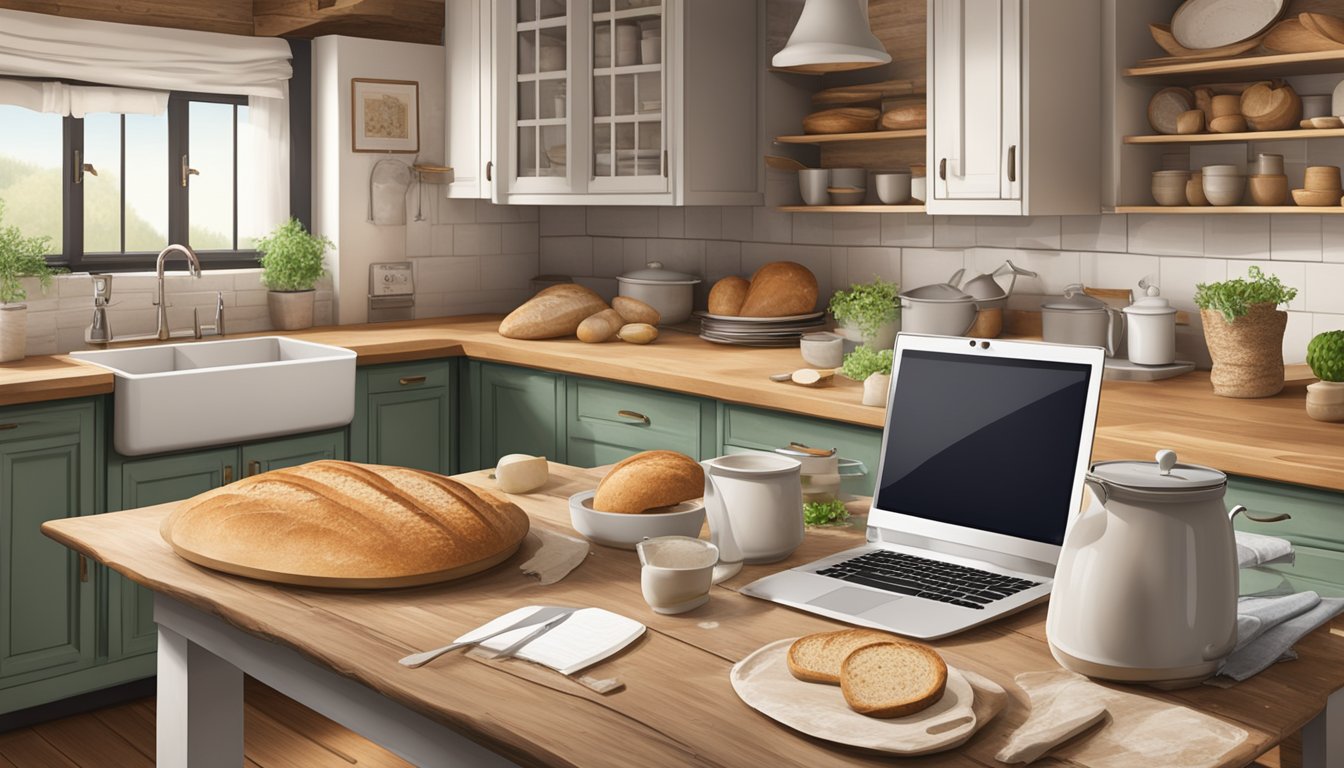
(816, 658)
(892, 679)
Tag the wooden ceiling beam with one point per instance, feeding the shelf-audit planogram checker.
(411, 21)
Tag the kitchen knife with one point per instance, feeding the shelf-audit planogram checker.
(546, 616)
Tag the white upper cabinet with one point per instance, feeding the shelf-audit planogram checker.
(469, 43)
(1014, 107)
(609, 102)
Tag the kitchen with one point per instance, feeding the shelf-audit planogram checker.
(446, 252)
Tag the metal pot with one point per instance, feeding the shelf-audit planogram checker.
(671, 293)
(1146, 586)
(940, 309)
(1082, 320)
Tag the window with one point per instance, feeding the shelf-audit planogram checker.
(112, 190)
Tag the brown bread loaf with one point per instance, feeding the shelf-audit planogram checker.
(816, 658)
(636, 311)
(555, 312)
(600, 327)
(336, 523)
(727, 295)
(780, 289)
(892, 679)
(649, 480)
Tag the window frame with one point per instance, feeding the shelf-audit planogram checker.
(74, 258)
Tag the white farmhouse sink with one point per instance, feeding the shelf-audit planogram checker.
(171, 397)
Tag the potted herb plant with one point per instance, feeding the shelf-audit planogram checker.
(873, 368)
(20, 257)
(291, 264)
(870, 312)
(1325, 355)
(1243, 327)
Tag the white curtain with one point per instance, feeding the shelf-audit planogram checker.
(79, 100)
(40, 45)
(263, 193)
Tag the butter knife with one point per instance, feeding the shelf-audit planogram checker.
(513, 650)
(540, 617)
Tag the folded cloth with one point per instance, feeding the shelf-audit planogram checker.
(1267, 628)
(1256, 549)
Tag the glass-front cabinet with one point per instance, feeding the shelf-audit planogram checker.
(592, 101)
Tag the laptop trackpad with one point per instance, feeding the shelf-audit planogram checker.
(851, 601)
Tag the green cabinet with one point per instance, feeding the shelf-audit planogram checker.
(1316, 531)
(141, 482)
(404, 416)
(742, 428)
(511, 410)
(608, 422)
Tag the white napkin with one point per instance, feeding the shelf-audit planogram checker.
(1267, 628)
(1257, 549)
(585, 638)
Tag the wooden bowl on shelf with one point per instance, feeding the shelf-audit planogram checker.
(1269, 189)
(1228, 124)
(1323, 24)
(1313, 198)
(1267, 108)
(1322, 178)
(1326, 122)
(1290, 36)
(1194, 190)
(846, 195)
(1225, 104)
(842, 120)
(1190, 121)
(1166, 41)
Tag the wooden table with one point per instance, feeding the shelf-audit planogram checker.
(337, 653)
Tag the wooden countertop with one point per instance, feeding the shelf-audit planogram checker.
(678, 707)
(1270, 438)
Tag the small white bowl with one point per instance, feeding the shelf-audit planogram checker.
(614, 529)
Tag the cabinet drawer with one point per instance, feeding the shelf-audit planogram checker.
(409, 377)
(745, 428)
(608, 422)
(1318, 516)
(26, 423)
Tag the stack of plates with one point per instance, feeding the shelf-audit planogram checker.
(759, 331)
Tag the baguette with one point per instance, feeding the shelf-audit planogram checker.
(817, 658)
(892, 679)
(649, 480)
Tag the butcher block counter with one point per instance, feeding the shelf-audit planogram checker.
(1270, 438)
(337, 651)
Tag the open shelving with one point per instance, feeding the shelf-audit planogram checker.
(1238, 138)
(854, 208)
(1279, 64)
(1205, 210)
(831, 138)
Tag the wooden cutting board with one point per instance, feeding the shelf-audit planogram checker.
(868, 93)
(763, 681)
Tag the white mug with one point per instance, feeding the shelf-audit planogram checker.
(676, 572)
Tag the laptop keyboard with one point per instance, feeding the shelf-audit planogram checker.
(929, 579)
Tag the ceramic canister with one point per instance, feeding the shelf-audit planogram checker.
(1151, 326)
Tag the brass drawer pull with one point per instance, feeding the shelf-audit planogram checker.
(253, 468)
(634, 416)
(3, 427)
(408, 380)
(228, 474)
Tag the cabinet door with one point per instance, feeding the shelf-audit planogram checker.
(535, 62)
(47, 609)
(469, 45)
(608, 422)
(753, 429)
(514, 410)
(407, 416)
(291, 451)
(143, 483)
(973, 53)
(627, 55)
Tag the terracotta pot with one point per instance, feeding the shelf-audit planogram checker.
(290, 310)
(13, 332)
(1247, 353)
(1325, 400)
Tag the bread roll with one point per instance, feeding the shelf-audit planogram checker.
(892, 679)
(780, 289)
(727, 295)
(600, 327)
(340, 524)
(649, 480)
(817, 658)
(555, 312)
(636, 311)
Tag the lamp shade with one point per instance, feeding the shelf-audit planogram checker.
(832, 36)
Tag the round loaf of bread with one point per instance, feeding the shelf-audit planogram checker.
(892, 679)
(727, 295)
(781, 289)
(340, 524)
(649, 480)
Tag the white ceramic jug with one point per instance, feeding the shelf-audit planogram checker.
(1146, 586)
(754, 503)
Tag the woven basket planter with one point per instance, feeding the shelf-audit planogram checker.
(1247, 353)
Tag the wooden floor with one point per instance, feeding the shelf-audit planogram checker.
(278, 734)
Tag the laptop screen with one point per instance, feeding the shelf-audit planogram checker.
(986, 443)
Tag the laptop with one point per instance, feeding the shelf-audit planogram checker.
(983, 457)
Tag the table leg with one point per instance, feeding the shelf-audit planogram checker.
(1323, 737)
(200, 706)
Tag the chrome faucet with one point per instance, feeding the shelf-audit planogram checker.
(193, 264)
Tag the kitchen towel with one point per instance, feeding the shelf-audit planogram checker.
(1267, 628)
(1257, 549)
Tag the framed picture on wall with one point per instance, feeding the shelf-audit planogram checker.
(385, 115)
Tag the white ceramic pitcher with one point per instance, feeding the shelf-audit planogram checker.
(754, 503)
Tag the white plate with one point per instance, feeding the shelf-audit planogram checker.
(762, 680)
(1202, 24)
(741, 343)
(733, 319)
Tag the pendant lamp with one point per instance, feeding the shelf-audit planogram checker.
(832, 36)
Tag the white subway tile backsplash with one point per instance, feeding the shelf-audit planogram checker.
(1237, 236)
(520, 237)
(737, 223)
(1322, 322)
(925, 266)
(1296, 337)
(671, 222)
(418, 239)
(953, 232)
(1094, 233)
(1295, 237)
(623, 221)
(560, 220)
(771, 226)
(606, 287)
(477, 239)
(441, 274)
(864, 264)
(704, 222)
(813, 229)
(1118, 270)
(1178, 277)
(567, 256)
(1166, 235)
(440, 241)
(722, 258)
(905, 229)
(510, 271)
(1018, 231)
(856, 229)
(454, 210)
(686, 256)
(636, 253)
(608, 256)
(1332, 238)
(1322, 288)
